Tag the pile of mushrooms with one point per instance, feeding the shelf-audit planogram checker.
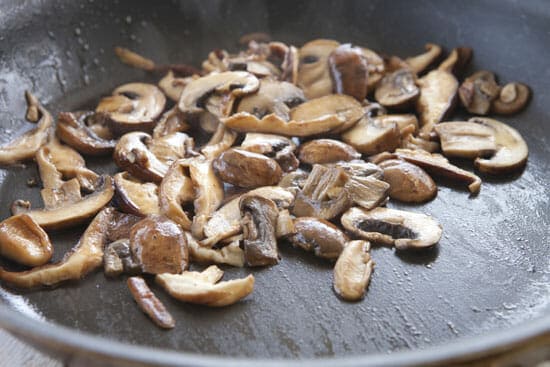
(307, 146)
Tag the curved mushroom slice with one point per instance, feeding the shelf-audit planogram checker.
(23, 241)
(313, 69)
(348, 69)
(136, 197)
(457, 60)
(375, 67)
(274, 146)
(408, 182)
(511, 150)
(149, 303)
(73, 131)
(202, 288)
(421, 62)
(86, 256)
(478, 91)
(133, 155)
(397, 89)
(172, 121)
(353, 270)
(294, 181)
(466, 139)
(404, 230)
(319, 236)
(173, 86)
(117, 259)
(25, 146)
(133, 107)
(222, 140)
(285, 224)
(171, 147)
(372, 135)
(176, 190)
(259, 221)
(326, 151)
(231, 254)
(513, 98)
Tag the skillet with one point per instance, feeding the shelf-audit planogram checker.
(484, 289)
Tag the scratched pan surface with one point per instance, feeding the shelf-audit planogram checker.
(486, 283)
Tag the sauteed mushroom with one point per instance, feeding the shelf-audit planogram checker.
(117, 259)
(326, 151)
(135, 197)
(313, 70)
(319, 236)
(149, 303)
(408, 182)
(478, 92)
(372, 135)
(173, 86)
(73, 131)
(348, 69)
(513, 98)
(397, 89)
(466, 139)
(353, 270)
(420, 62)
(231, 254)
(176, 190)
(277, 147)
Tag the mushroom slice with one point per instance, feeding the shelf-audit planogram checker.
(294, 181)
(408, 182)
(202, 288)
(421, 62)
(372, 135)
(375, 67)
(511, 150)
(478, 92)
(358, 168)
(120, 227)
(404, 230)
(326, 151)
(173, 86)
(171, 147)
(513, 98)
(133, 107)
(439, 165)
(397, 89)
(231, 254)
(175, 190)
(73, 131)
(136, 197)
(171, 121)
(117, 259)
(259, 221)
(133, 155)
(246, 169)
(86, 256)
(466, 139)
(412, 142)
(349, 72)
(159, 245)
(353, 270)
(222, 140)
(313, 69)
(277, 147)
(319, 236)
(367, 192)
(23, 241)
(457, 60)
(285, 224)
(25, 146)
(149, 303)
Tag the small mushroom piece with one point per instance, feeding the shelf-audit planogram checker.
(353, 270)
(326, 151)
(149, 303)
(133, 107)
(176, 190)
(231, 254)
(457, 60)
(397, 89)
(466, 139)
(313, 69)
(348, 69)
(136, 197)
(372, 135)
(245, 169)
(404, 230)
(171, 147)
(73, 131)
(319, 236)
(478, 91)
(203, 288)
(23, 241)
(117, 259)
(159, 245)
(408, 182)
(285, 224)
(277, 147)
(294, 181)
(511, 150)
(367, 192)
(375, 67)
(221, 140)
(513, 98)
(421, 62)
(358, 168)
(259, 221)
(172, 121)
(173, 86)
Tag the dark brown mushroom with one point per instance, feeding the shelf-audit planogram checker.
(319, 236)
(149, 303)
(513, 98)
(313, 69)
(372, 135)
(397, 89)
(73, 130)
(326, 151)
(348, 69)
(136, 197)
(478, 92)
(277, 147)
(408, 182)
(176, 190)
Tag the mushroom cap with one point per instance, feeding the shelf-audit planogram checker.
(513, 98)
(397, 89)
(313, 69)
(478, 91)
(73, 131)
(326, 151)
(372, 135)
(349, 71)
(319, 236)
(408, 182)
(136, 197)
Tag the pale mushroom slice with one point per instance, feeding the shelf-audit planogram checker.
(397, 89)
(408, 182)
(326, 151)
(375, 67)
(175, 190)
(285, 224)
(358, 168)
(25, 146)
(173, 86)
(367, 192)
(73, 130)
(511, 150)
(222, 139)
(171, 121)
(353, 270)
(421, 62)
(513, 97)
(313, 69)
(457, 60)
(404, 230)
(478, 92)
(203, 288)
(171, 147)
(466, 139)
(349, 71)
(372, 135)
(133, 107)
(136, 197)
(277, 147)
(231, 254)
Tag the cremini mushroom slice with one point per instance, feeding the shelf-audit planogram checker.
(86, 256)
(121, 224)
(221, 140)
(203, 288)
(326, 151)
(73, 130)
(313, 69)
(408, 182)
(466, 139)
(258, 223)
(349, 71)
(372, 135)
(171, 147)
(409, 141)
(457, 60)
(367, 192)
(358, 168)
(136, 197)
(117, 259)
(375, 67)
(513, 97)
(421, 62)
(277, 147)
(319, 236)
(397, 89)
(25, 146)
(231, 254)
(176, 190)
(404, 230)
(353, 270)
(171, 121)
(285, 224)
(478, 92)
(511, 150)
(149, 303)
(133, 155)
(294, 181)
(246, 169)
(173, 86)
(133, 107)
(23, 241)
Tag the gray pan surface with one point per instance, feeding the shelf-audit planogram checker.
(490, 274)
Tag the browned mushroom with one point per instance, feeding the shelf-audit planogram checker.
(478, 91)
(117, 259)
(353, 270)
(375, 67)
(421, 62)
(372, 135)
(136, 197)
(149, 303)
(313, 70)
(397, 89)
(231, 254)
(175, 190)
(457, 60)
(348, 69)
(513, 98)
(408, 182)
(326, 151)
(277, 147)
(171, 121)
(466, 139)
(171, 147)
(173, 86)
(73, 130)
(222, 139)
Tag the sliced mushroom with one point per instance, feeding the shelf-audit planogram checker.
(375, 67)
(220, 141)
(421, 62)
(73, 131)
(466, 139)
(202, 288)
(397, 89)
(358, 168)
(353, 270)
(231, 254)
(259, 221)
(319, 236)
(511, 150)
(294, 181)
(23, 241)
(173, 86)
(121, 225)
(133, 107)
(348, 69)
(313, 70)
(136, 197)
(171, 147)
(404, 230)
(513, 98)
(285, 224)
(457, 60)
(326, 151)
(274, 146)
(117, 259)
(478, 91)
(410, 141)
(171, 121)
(246, 169)
(176, 190)
(408, 182)
(367, 192)
(149, 303)
(373, 135)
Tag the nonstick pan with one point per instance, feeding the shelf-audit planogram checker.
(483, 290)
